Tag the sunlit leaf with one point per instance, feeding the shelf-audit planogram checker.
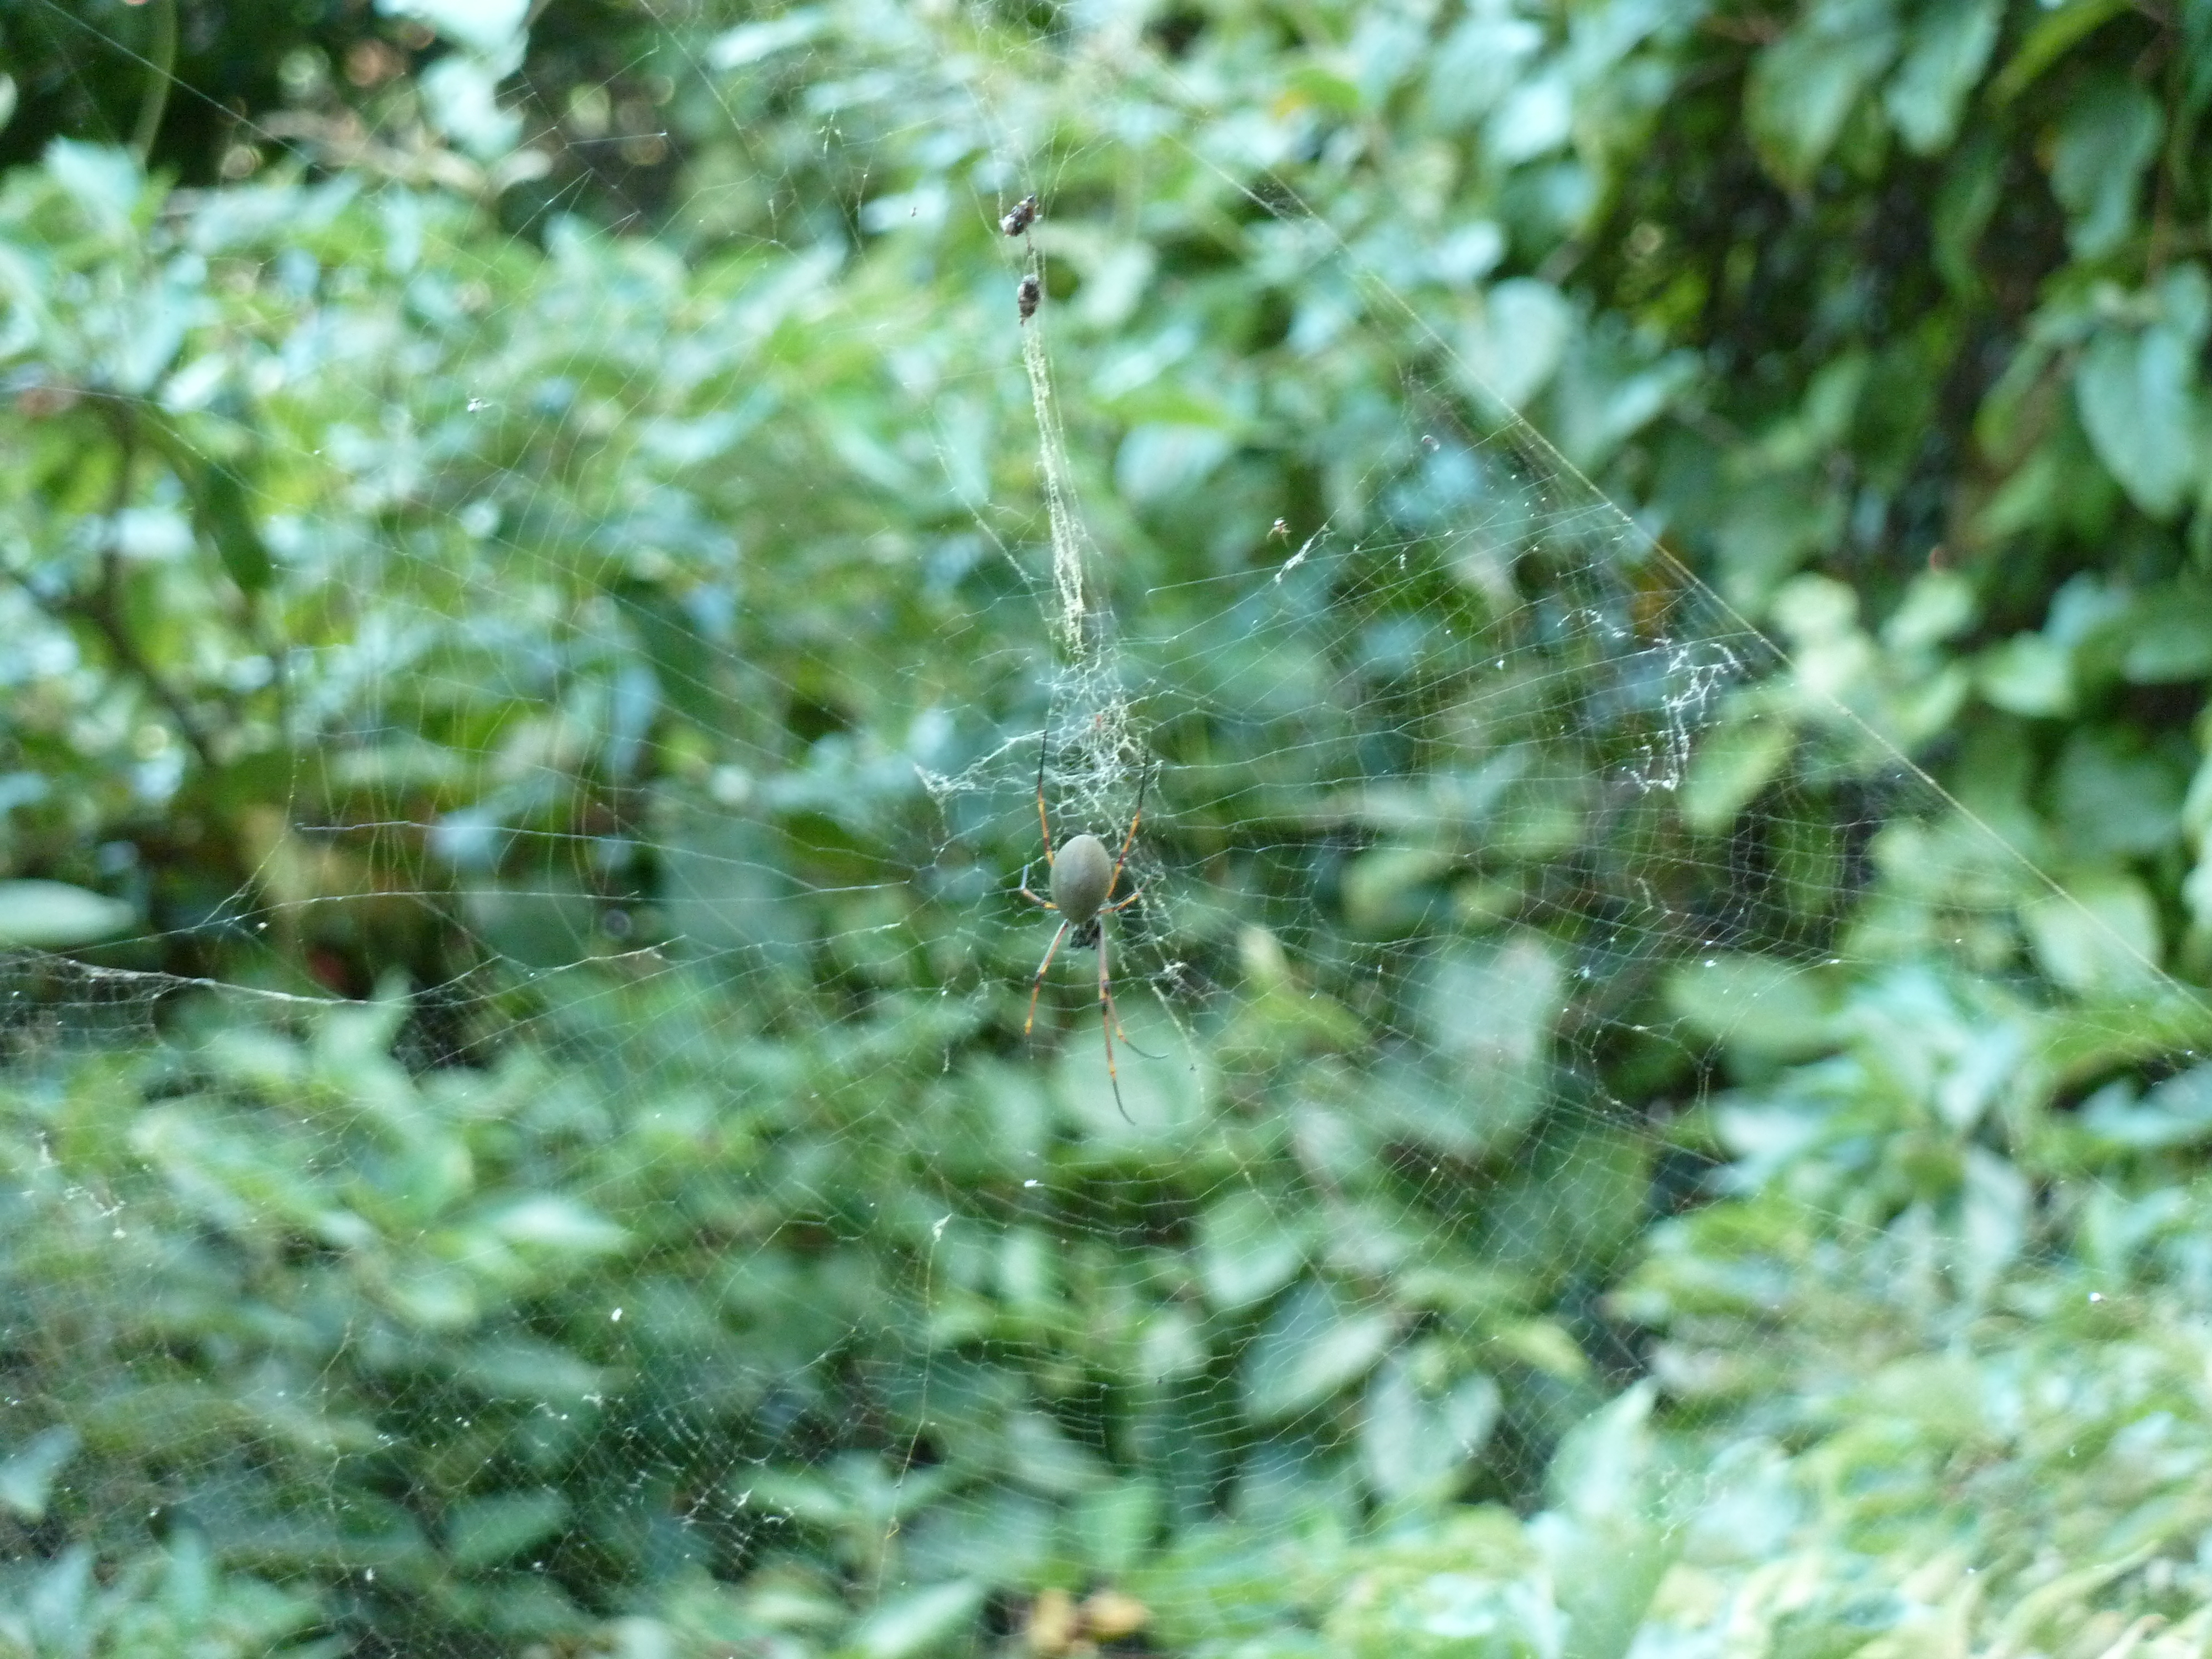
(27, 1478)
(2140, 403)
(1802, 88)
(1946, 46)
(52, 916)
(2110, 133)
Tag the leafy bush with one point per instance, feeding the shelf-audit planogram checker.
(591, 654)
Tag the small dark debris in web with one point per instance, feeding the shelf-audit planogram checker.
(1023, 216)
(1027, 295)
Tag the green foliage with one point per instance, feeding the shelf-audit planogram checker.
(610, 514)
(1957, 1324)
(564, 619)
(166, 1602)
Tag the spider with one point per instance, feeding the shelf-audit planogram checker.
(1017, 221)
(1083, 884)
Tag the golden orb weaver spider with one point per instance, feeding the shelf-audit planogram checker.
(1083, 884)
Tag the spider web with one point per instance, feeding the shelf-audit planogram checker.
(680, 1236)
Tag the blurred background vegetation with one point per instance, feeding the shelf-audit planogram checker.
(516, 1128)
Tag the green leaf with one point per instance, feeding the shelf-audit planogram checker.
(486, 1531)
(2109, 134)
(1159, 459)
(28, 1477)
(1994, 1217)
(2115, 796)
(750, 43)
(1767, 526)
(1732, 762)
(1608, 388)
(1491, 1014)
(1165, 1080)
(554, 1222)
(56, 1604)
(2197, 54)
(2051, 39)
(1606, 1549)
(1413, 1441)
(725, 880)
(1973, 185)
(1495, 1007)
(229, 523)
(1470, 1588)
(52, 916)
(2101, 935)
(919, 1620)
(1760, 1004)
(1802, 88)
(1389, 891)
(1311, 1348)
(104, 181)
(1537, 117)
(1938, 605)
(1570, 1208)
(2169, 637)
(2035, 674)
(487, 26)
(1598, 1472)
(1946, 50)
(1116, 1522)
(1511, 349)
(2177, 1113)
(1313, 86)
(1248, 1250)
(2137, 393)
(528, 1370)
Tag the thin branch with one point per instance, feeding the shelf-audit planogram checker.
(105, 614)
(104, 609)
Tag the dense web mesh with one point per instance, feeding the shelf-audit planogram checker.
(686, 1206)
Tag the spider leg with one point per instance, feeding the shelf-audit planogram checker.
(1038, 984)
(1045, 742)
(1127, 841)
(1023, 889)
(1123, 1035)
(1107, 1021)
(1135, 893)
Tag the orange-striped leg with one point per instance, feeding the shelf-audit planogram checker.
(1107, 910)
(1038, 984)
(1044, 746)
(1107, 1019)
(1127, 841)
(1121, 1030)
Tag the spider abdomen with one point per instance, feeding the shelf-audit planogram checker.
(1081, 877)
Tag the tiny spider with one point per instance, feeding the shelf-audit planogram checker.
(1083, 884)
(1027, 295)
(1023, 216)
